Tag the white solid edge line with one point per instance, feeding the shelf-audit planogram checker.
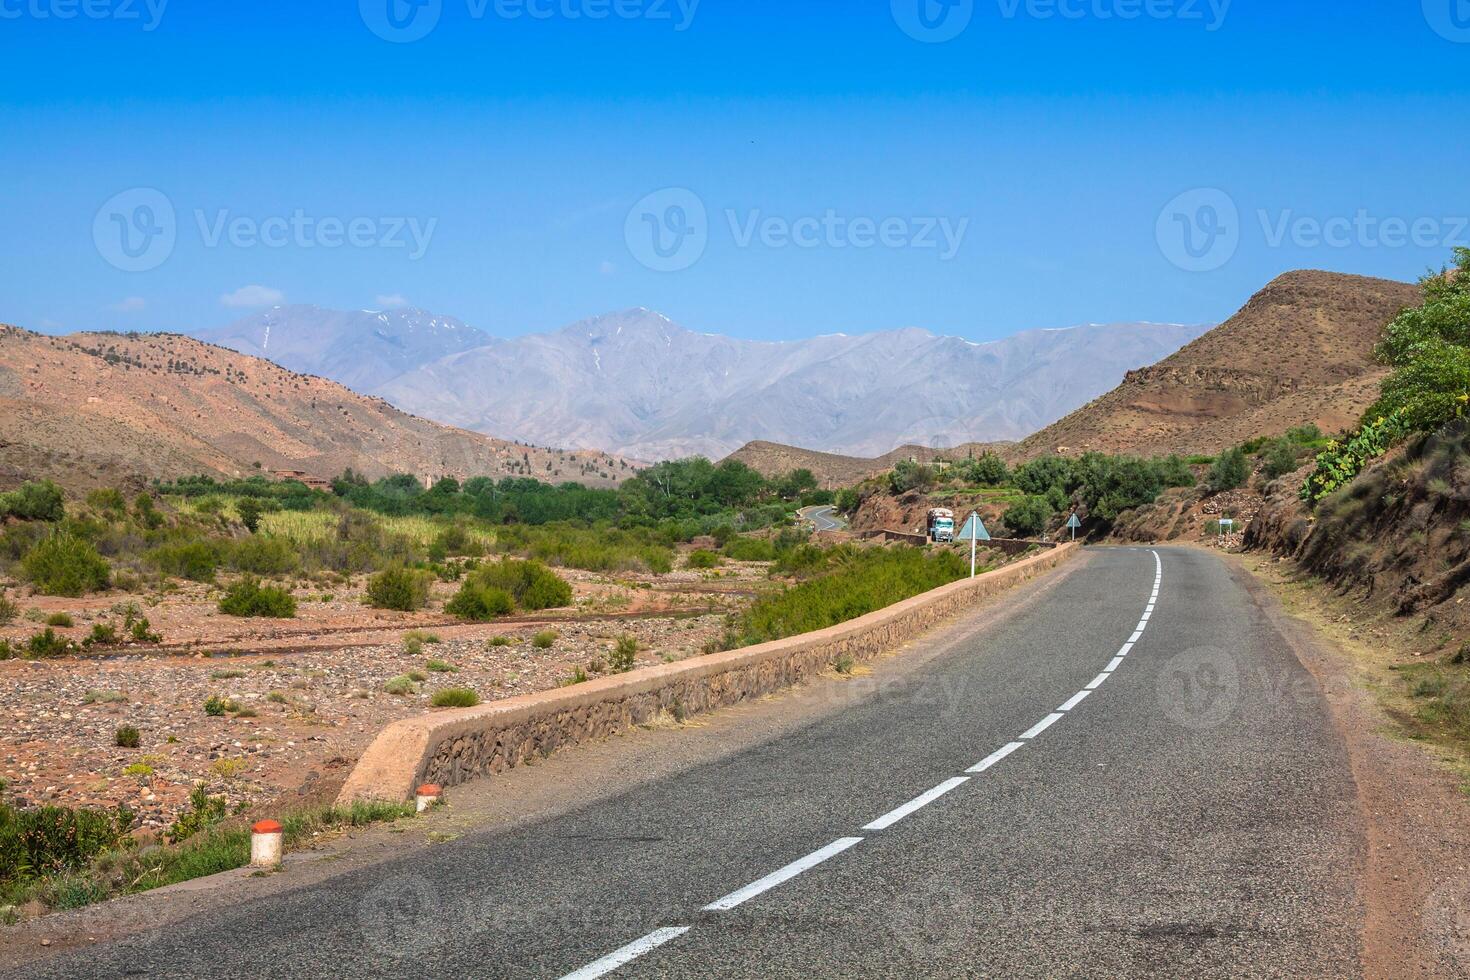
(784, 874)
(1074, 700)
(622, 957)
(917, 803)
(995, 757)
(1042, 726)
(1099, 680)
(1117, 662)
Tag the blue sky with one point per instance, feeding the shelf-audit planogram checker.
(512, 169)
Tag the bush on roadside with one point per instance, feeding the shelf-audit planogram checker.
(1028, 517)
(399, 588)
(545, 639)
(63, 564)
(49, 840)
(264, 556)
(455, 697)
(8, 611)
(248, 597)
(624, 655)
(127, 737)
(48, 644)
(1231, 471)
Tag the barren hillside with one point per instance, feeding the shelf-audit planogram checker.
(833, 471)
(1300, 351)
(92, 409)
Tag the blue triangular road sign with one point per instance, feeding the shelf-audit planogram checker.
(974, 529)
(1074, 523)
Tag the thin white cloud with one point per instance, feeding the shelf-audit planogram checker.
(393, 301)
(249, 297)
(133, 304)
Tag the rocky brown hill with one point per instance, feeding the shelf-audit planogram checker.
(1300, 351)
(102, 409)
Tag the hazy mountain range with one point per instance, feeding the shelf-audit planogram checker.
(637, 384)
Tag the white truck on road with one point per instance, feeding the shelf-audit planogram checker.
(941, 525)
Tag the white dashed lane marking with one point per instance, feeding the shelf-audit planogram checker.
(775, 878)
(622, 957)
(654, 940)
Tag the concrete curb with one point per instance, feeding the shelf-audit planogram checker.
(450, 747)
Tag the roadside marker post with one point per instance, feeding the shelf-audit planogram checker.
(974, 530)
(267, 839)
(1073, 523)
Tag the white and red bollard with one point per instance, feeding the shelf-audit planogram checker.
(267, 844)
(427, 795)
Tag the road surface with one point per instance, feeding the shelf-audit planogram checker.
(825, 518)
(1129, 776)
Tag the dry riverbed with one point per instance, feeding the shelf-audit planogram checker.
(306, 695)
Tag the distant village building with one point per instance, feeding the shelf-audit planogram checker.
(314, 482)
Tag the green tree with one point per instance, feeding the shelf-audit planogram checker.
(250, 510)
(1230, 471)
(1028, 517)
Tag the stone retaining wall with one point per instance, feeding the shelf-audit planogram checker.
(451, 747)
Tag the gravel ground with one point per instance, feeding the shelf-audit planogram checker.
(307, 695)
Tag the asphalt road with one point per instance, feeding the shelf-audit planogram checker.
(825, 518)
(1192, 815)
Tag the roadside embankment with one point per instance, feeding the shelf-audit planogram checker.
(452, 747)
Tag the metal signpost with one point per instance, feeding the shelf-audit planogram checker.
(1073, 523)
(974, 530)
(1227, 527)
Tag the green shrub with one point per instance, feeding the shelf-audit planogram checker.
(480, 603)
(700, 558)
(531, 584)
(455, 697)
(441, 667)
(192, 560)
(108, 500)
(545, 639)
(48, 644)
(1278, 458)
(8, 611)
(499, 641)
(399, 686)
(250, 510)
(399, 588)
(1341, 462)
(141, 631)
(102, 635)
(248, 597)
(624, 655)
(864, 580)
(60, 619)
(1230, 471)
(41, 501)
(265, 556)
(204, 812)
(215, 706)
(127, 737)
(45, 841)
(750, 549)
(63, 564)
(1029, 517)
